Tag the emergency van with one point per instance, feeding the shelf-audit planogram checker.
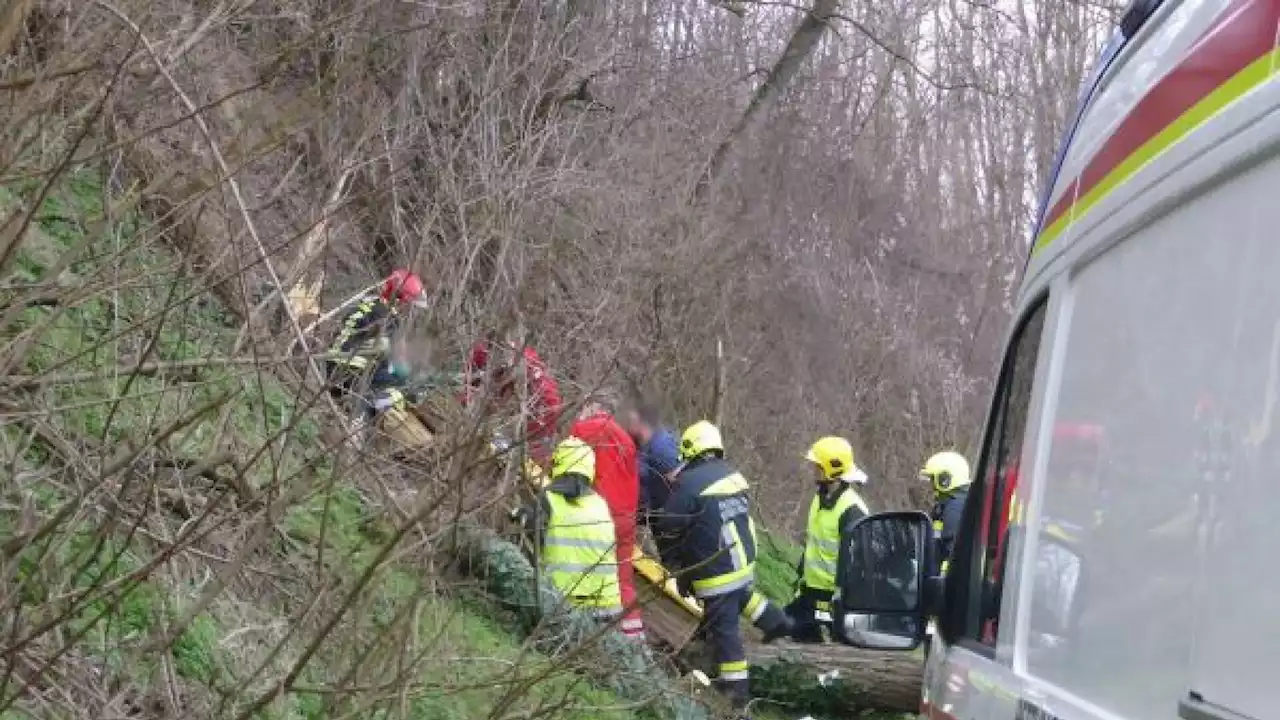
(1129, 580)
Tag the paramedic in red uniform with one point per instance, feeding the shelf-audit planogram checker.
(1081, 443)
(618, 482)
(542, 393)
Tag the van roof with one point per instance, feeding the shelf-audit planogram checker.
(1154, 85)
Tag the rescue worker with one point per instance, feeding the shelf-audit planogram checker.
(659, 456)
(577, 554)
(358, 359)
(836, 506)
(707, 534)
(1073, 500)
(659, 463)
(618, 484)
(500, 361)
(948, 474)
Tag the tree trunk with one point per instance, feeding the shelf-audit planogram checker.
(799, 48)
(836, 679)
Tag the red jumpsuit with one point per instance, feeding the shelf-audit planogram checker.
(618, 482)
(543, 394)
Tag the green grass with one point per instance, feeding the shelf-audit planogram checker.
(473, 655)
(195, 653)
(147, 302)
(493, 656)
(156, 305)
(776, 559)
(112, 624)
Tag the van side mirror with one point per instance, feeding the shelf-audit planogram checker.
(880, 598)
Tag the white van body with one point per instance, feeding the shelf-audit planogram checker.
(1150, 308)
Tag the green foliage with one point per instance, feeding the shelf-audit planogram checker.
(776, 560)
(338, 516)
(195, 652)
(150, 302)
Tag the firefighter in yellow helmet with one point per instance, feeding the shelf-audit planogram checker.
(948, 474)
(577, 553)
(835, 507)
(706, 532)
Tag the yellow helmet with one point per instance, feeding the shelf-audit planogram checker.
(833, 454)
(947, 472)
(573, 455)
(700, 437)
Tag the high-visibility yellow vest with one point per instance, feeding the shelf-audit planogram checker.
(578, 555)
(822, 546)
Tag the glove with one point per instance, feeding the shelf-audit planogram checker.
(519, 515)
(684, 584)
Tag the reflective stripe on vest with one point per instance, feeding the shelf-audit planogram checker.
(743, 574)
(356, 357)
(756, 607)
(734, 670)
(578, 554)
(744, 570)
(822, 544)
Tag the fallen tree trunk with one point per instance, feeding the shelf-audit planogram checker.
(831, 680)
(836, 680)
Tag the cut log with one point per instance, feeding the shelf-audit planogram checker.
(836, 680)
(826, 679)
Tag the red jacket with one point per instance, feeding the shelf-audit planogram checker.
(618, 482)
(1007, 510)
(543, 391)
(617, 472)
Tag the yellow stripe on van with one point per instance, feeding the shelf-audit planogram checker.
(1254, 75)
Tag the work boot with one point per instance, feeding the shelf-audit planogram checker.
(780, 629)
(774, 623)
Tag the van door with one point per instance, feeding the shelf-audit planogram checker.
(969, 675)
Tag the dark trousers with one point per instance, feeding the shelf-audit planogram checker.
(804, 610)
(720, 618)
(766, 616)
(356, 386)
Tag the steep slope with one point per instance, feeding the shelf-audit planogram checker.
(166, 497)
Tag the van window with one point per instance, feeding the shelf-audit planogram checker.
(999, 473)
(1152, 581)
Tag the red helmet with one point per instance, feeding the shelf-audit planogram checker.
(404, 286)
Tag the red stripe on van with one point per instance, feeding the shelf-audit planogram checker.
(1245, 32)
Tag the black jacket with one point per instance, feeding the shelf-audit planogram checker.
(709, 501)
(371, 319)
(947, 510)
(656, 461)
